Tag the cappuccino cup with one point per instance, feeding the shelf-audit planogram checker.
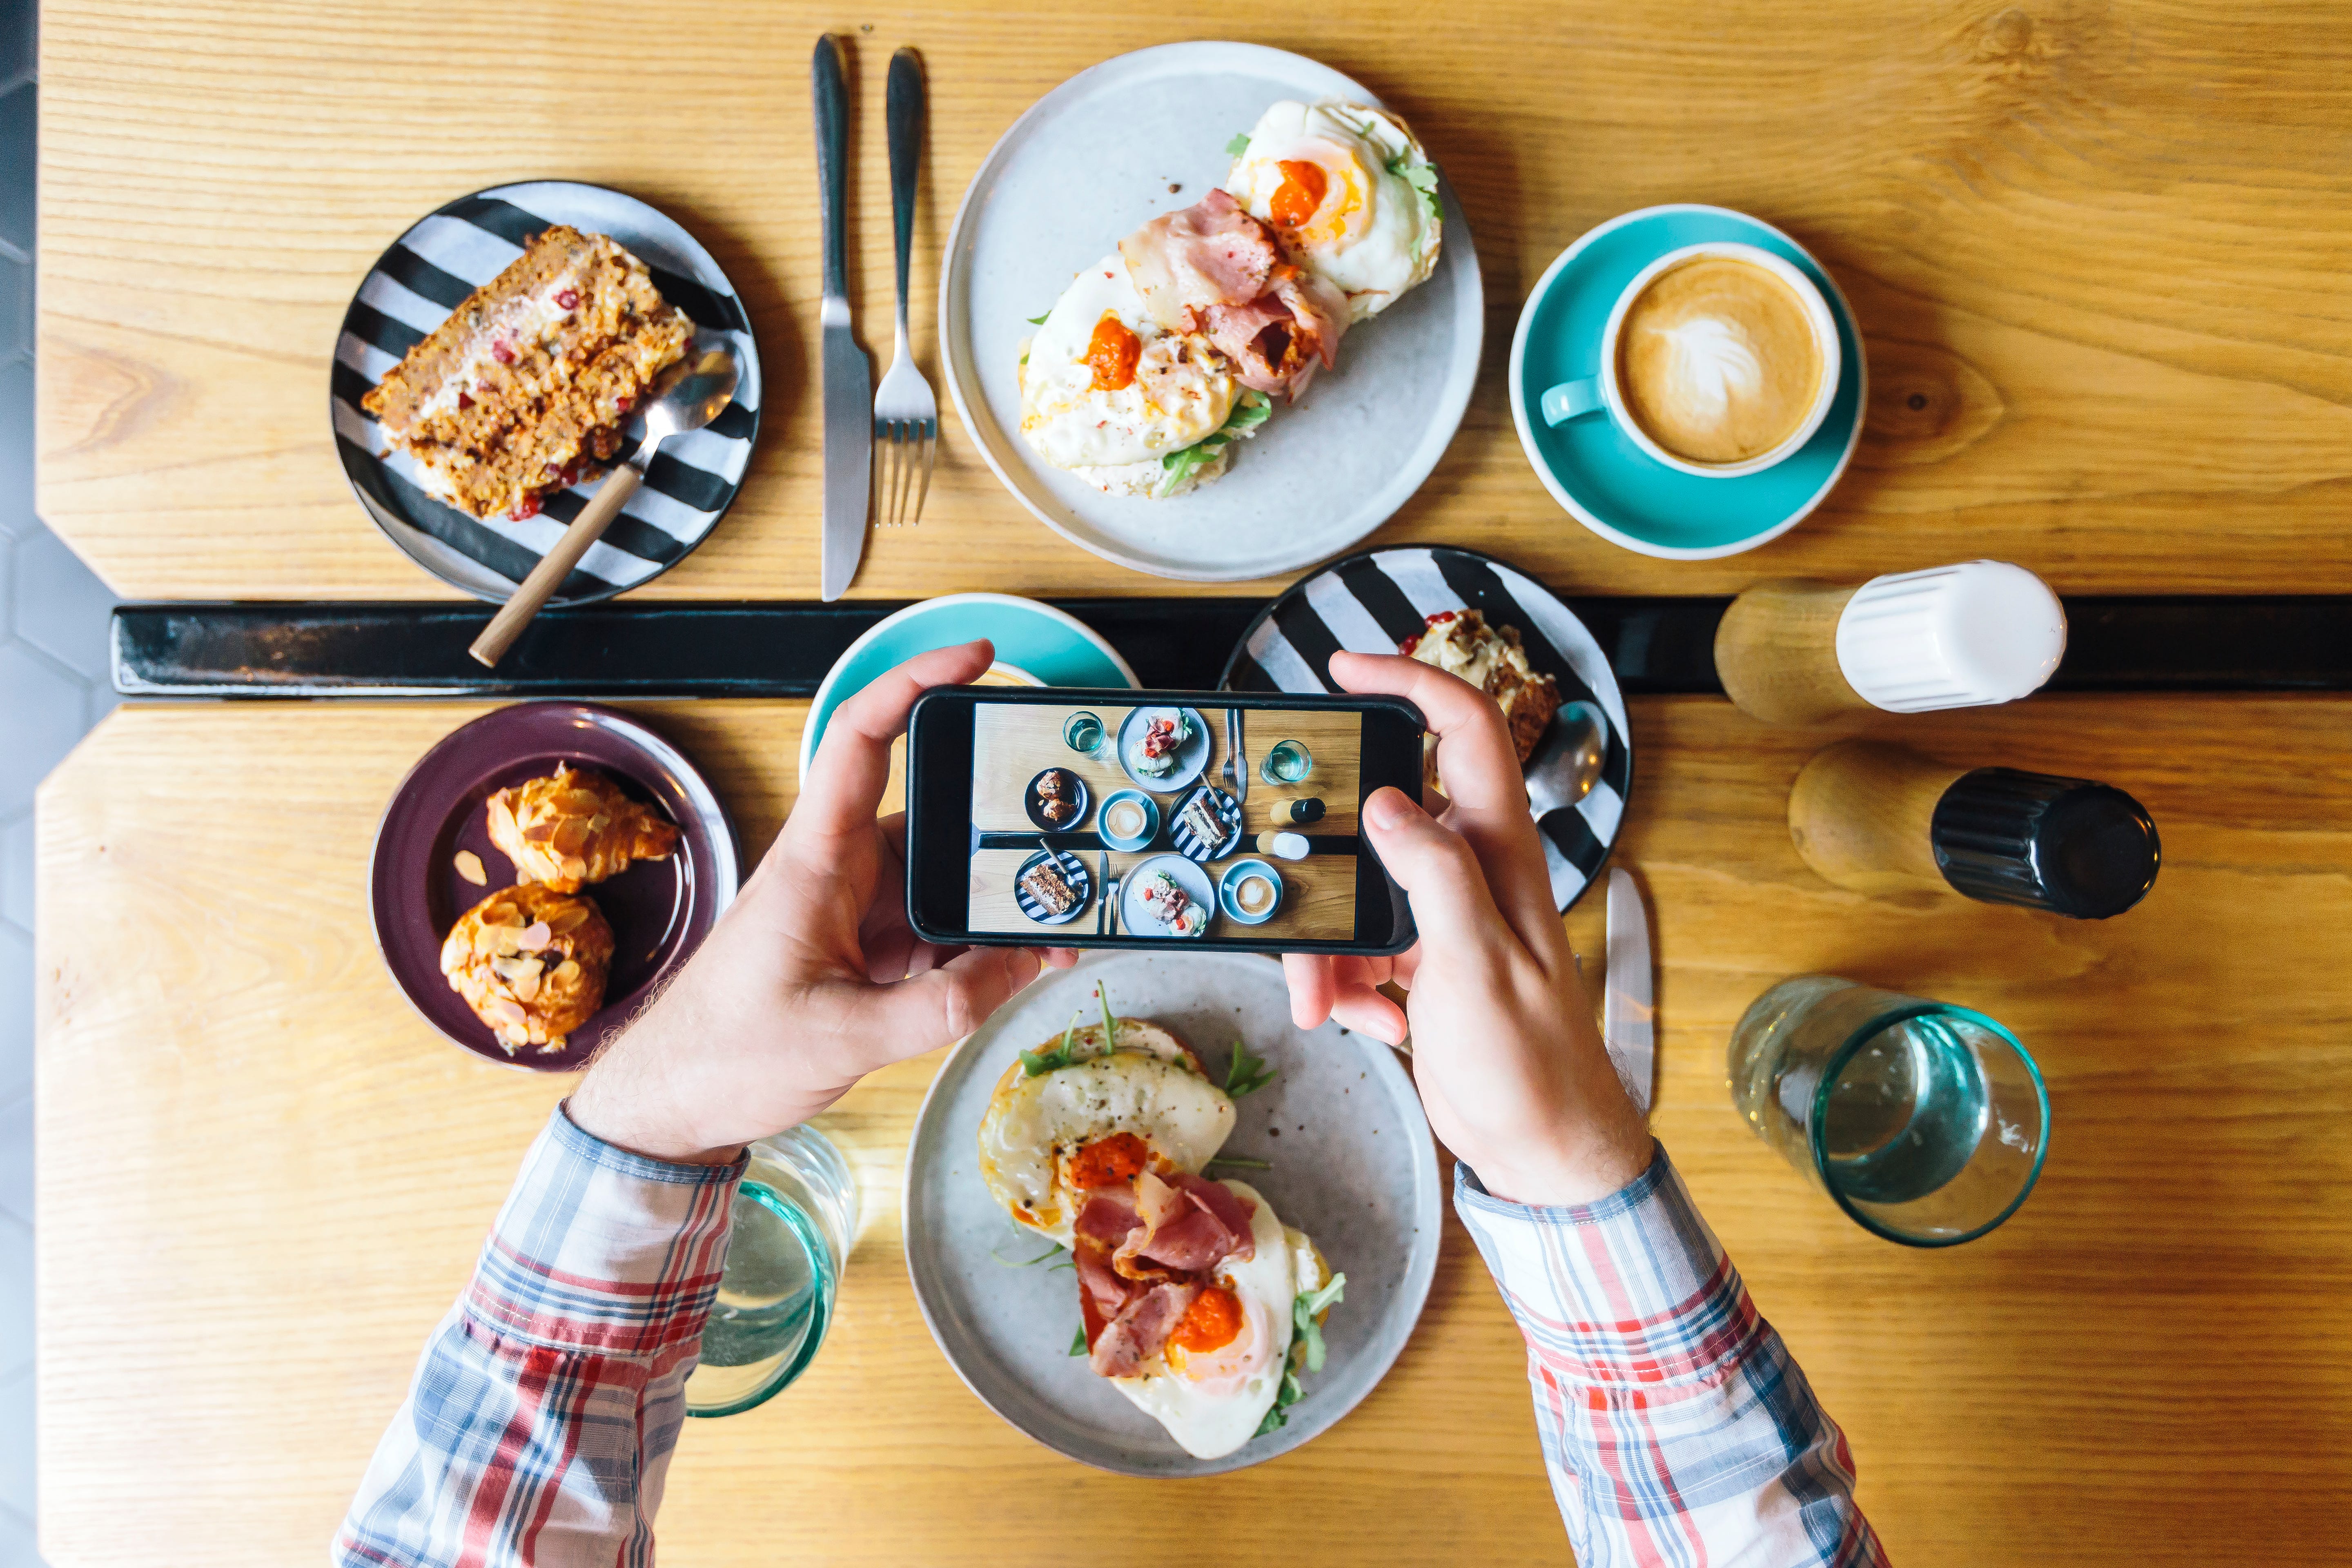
(1718, 360)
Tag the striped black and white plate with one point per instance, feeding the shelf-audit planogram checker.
(1373, 602)
(427, 273)
(1228, 812)
(1074, 872)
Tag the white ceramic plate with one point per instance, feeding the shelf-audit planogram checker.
(1134, 917)
(1089, 163)
(1189, 759)
(1353, 1166)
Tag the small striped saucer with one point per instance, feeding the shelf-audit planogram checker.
(427, 273)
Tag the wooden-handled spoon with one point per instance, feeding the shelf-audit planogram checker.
(688, 396)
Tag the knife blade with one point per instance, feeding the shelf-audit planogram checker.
(848, 375)
(1628, 1021)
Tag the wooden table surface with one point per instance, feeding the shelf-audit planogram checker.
(2099, 254)
(263, 1179)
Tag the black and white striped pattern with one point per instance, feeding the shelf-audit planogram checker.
(1373, 602)
(1073, 871)
(1190, 845)
(426, 274)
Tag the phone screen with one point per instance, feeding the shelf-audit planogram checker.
(1119, 819)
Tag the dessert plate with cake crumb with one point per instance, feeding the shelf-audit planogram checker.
(486, 374)
(1110, 152)
(1390, 601)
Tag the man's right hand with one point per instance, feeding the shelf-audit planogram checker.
(1510, 1069)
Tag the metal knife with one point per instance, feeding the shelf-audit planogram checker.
(848, 387)
(1628, 1021)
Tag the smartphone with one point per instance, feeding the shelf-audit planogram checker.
(1058, 818)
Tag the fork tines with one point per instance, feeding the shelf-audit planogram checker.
(903, 449)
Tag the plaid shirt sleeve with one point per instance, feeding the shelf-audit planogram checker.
(1676, 1427)
(540, 1424)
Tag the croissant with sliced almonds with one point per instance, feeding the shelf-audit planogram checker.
(531, 964)
(574, 827)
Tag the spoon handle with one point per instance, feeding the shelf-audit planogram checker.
(549, 574)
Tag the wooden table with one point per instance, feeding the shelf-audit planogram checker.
(2098, 254)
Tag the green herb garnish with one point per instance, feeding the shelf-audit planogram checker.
(1110, 1025)
(1039, 1063)
(1302, 1317)
(1056, 1251)
(1242, 1162)
(1078, 1344)
(1254, 409)
(1039, 320)
(1238, 146)
(1245, 1072)
(1287, 1397)
(1421, 176)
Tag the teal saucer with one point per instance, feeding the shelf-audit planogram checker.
(1057, 648)
(1611, 485)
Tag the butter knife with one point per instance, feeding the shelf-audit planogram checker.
(848, 383)
(1628, 1020)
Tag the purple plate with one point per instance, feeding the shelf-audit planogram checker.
(660, 910)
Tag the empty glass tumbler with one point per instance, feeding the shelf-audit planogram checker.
(1287, 761)
(794, 1217)
(1925, 1121)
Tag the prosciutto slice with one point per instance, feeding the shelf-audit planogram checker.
(1211, 253)
(1143, 1253)
(1279, 339)
(1188, 1224)
(1126, 1323)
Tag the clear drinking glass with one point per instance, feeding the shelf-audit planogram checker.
(1926, 1122)
(1286, 762)
(795, 1215)
(1083, 734)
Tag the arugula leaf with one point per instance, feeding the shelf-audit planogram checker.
(1039, 320)
(1110, 1025)
(1078, 1344)
(1254, 409)
(1243, 1162)
(1039, 1063)
(1302, 1317)
(1289, 1395)
(1421, 176)
(1238, 146)
(1246, 1072)
(1056, 1249)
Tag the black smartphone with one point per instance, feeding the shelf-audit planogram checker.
(1056, 818)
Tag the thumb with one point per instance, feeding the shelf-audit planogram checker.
(1452, 907)
(941, 1007)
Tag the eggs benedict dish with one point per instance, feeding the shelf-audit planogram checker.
(1157, 359)
(1195, 1301)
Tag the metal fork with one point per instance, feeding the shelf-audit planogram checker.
(906, 415)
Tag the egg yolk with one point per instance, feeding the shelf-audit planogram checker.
(1106, 1161)
(1212, 1321)
(1300, 193)
(1113, 351)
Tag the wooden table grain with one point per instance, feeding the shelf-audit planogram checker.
(2098, 250)
(263, 1179)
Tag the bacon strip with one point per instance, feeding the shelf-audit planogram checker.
(1211, 253)
(1277, 340)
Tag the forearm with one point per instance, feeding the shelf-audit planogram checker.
(540, 1423)
(1671, 1414)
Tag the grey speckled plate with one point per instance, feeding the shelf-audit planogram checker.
(1354, 1167)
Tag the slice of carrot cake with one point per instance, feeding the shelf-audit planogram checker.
(527, 382)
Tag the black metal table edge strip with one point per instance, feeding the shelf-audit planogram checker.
(1658, 645)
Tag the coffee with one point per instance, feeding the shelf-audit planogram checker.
(1125, 819)
(1718, 361)
(1255, 895)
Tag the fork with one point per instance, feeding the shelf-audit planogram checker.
(906, 415)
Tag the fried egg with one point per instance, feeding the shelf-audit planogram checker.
(1038, 1126)
(1224, 1365)
(1107, 391)
(1349, 190)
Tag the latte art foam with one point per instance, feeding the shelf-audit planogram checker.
(1717, 362)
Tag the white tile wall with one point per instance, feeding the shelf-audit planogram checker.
(53, 687)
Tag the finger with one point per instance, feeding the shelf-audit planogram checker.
(1484, 792)
(1452, 908)
(1367, 1012)
(852, 767)
(1057, 957)
(1313, 988)
(944, 1005)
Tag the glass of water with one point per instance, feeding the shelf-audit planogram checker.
(1926, 1122)
(1083, 734)
(1286, 762)
(795, 1215)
